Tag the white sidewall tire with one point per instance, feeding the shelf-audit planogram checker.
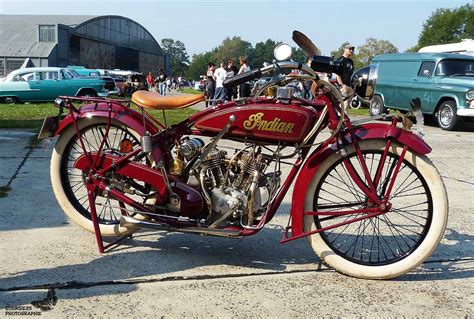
(422, 252)
(67, 207)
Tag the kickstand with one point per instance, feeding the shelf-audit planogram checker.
(98, 235)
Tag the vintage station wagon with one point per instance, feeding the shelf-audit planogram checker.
(47, 83)
(443, 82)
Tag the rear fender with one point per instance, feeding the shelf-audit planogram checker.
(124, 115)
(363, 132)
(121, 114)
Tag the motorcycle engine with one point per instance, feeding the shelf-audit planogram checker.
(236, 189)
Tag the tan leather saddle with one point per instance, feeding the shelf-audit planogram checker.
(155, 101)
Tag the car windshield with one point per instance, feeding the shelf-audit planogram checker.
(455, 68)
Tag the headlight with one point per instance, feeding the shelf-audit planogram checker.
(470, 95)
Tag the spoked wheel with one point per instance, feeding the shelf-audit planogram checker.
(391, 243)
(68, 182)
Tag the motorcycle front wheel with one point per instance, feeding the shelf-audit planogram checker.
(68, 182)
(387, 245)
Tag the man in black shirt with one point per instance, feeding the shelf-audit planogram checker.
(344, 79)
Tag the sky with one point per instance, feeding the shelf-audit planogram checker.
(203, 25)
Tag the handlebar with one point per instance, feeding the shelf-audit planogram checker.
(318, 63)
(242, 78)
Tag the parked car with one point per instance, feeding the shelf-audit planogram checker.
(109, 82)
(47, 83)
(135, 82)
(82, 71)
(443, 82)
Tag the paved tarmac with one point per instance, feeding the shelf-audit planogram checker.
(171, 275)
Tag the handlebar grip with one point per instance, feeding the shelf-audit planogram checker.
(242, 78)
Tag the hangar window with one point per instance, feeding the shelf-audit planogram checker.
(47, 33)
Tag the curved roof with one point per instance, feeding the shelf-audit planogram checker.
(118, 30)
(19, 33)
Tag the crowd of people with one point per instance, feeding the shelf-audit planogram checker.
(215, 77)
(163, 84)
(215, 90)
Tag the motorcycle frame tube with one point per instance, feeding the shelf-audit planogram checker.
(364, 132)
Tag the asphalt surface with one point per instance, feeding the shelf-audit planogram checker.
(180, 275)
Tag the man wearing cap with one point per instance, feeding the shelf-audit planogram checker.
(344, 79)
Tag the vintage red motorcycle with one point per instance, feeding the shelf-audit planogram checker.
(366, 197)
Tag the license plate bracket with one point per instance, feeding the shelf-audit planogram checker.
(49, 126)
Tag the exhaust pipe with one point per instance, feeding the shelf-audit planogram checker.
(129, 222)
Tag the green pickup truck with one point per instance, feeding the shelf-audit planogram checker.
(443, 82)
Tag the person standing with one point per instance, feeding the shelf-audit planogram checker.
(344, 79)
(162, 82)
(220, 75)
(149, 81)
(211, 82)
(244, 89)
(231, 71)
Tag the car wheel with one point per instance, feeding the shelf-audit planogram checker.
(447, 118)
(87, 93)
(10, 100)
(376, 106)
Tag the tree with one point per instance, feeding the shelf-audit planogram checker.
(299, 55)
(447, 26)
(199, 64)
(263, 52)
(178, 56)
(364, 53)
(232, 48)
(373, 47)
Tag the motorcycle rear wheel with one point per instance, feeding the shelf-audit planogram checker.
(387, 245)
(68, 182)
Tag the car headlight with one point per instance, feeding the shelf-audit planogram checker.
(470, 95)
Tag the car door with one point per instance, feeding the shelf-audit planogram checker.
(46, 84)
(69, 83)
(414, 80)
(423, 84)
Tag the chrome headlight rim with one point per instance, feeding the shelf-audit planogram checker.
(470, 95)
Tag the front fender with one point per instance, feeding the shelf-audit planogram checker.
(314, 161)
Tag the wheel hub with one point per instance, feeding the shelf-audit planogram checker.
(446, 115)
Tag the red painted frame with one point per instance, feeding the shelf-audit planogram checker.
(303, 169)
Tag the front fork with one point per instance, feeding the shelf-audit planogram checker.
(370, 189)
(376, 204)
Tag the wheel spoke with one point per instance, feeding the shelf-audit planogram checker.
(73, 182)
(382, 239)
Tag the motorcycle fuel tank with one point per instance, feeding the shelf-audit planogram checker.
(261, 121)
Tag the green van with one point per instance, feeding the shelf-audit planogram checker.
(444, 83)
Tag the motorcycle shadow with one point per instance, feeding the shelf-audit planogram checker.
(453, 259)
(152, 257)
(155, 257)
